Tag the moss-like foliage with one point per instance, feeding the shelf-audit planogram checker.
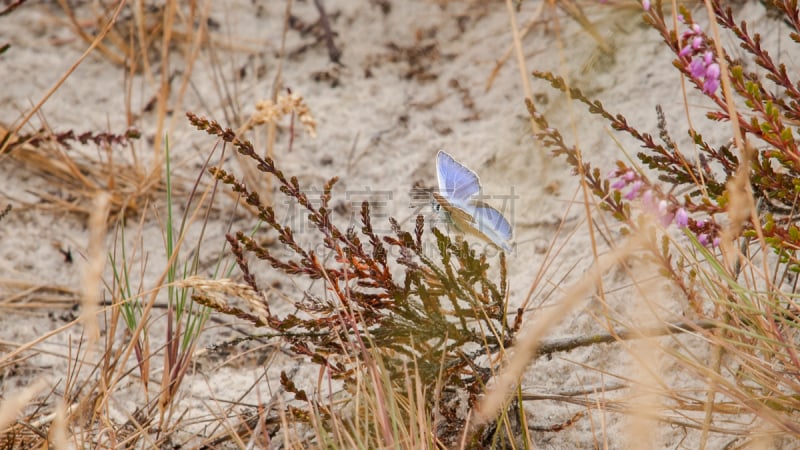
(445, 314)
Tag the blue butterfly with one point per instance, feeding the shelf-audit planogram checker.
(457, 187)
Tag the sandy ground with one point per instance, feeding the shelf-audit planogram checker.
(412, 81)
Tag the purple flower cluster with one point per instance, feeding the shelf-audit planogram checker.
(700, 58)
(633, 187)
(704, 237)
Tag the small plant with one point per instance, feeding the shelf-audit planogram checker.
(184, 318)
(445, 315)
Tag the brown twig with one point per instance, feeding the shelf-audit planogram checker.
(8, 9)
(571, 343)
(333, 52)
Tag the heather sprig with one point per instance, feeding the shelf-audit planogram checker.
(766, 124)
(626, 184)
(755, 310)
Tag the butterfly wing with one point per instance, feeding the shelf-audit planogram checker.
(456, 216)
(478, 219)
(491, 223)
(456, 182)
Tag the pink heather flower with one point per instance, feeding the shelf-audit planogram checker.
(703, 239)
(716, 242)
(619, 184)
(636, 186)
(664, 217)
(710, 86)
(701, 65)
(712, 71)
(662, 207)
(697, 68)
(646, 5)
(681, 19)
(647, 199)
(681, 218)
(629, 175)
(701, 223)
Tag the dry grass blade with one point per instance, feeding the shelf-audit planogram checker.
(89, 39)
(96, 261)
(522, 65)
(575, 11)
(19, 294)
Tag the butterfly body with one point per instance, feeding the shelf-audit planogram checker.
(458, 198)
